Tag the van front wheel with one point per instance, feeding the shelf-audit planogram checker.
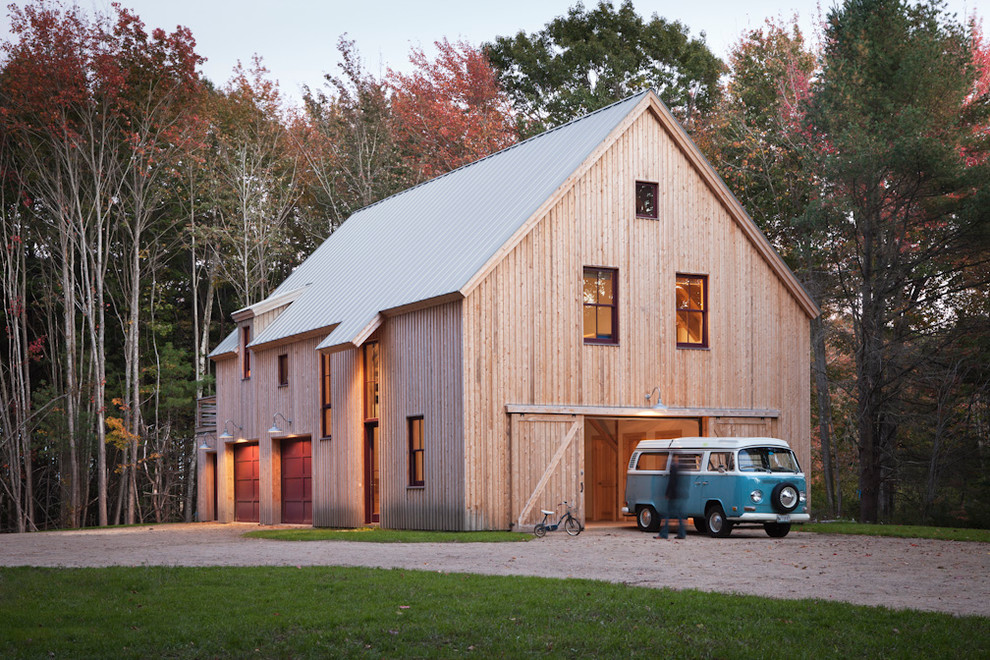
(718, 526)
(647, 519)
(699, 524)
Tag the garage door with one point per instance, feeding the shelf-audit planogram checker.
(297, 481)
(246, 487)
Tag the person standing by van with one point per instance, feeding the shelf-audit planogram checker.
(675, 500)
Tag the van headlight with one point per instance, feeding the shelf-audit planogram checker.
(756, 496)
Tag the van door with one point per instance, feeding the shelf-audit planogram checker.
(717, 482)
(690, 464)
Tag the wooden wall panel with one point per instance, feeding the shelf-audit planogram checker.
(299, 401)
(421, 375)
(536, 439)
(523, 327)
(338, 462)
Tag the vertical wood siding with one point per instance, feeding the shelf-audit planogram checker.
(421, 376)
(534, 437)
(338, 477)
(523, 325)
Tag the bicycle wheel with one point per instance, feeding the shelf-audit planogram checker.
(540, 530)
(572, 526)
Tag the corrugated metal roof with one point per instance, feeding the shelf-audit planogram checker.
(228, 345)
(430, 240)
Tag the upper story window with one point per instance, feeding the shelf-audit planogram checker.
(283, 369)
(601, 306)
(245, 351)
(646, 200)
(692, 311)
(416, 466)
(326, 408)
(371, 380)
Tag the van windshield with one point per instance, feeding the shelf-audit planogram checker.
(767, 459)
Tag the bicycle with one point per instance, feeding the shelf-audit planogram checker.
(572, 525)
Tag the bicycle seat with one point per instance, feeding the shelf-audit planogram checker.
(546, 513)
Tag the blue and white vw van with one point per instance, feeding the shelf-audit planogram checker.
(727, 481)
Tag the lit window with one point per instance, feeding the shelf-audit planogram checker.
(245, 351)
(416, 469)
(692, 311)
(646, 200)
(601, 306)
(326, 407)
(371, 380)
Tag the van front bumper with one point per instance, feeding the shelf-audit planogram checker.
(770, 517)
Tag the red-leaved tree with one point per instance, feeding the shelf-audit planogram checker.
(449, 111)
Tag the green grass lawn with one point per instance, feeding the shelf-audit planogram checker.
(900, 531)
(378, 535)
(330, 612)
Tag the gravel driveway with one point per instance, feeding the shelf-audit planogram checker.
(944, 576)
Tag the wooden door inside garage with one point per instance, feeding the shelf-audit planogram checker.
(297, 481)
(246, 483)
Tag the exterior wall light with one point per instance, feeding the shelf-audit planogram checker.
(227, 435)
(275, 427)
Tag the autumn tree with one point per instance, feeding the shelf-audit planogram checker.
(351, 151)
(906, 192)
(591, 58)
(257, 173)
(61, 90)
(757, 139)
(449, 111)
(160, 89)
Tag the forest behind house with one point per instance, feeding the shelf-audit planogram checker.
(142, 203)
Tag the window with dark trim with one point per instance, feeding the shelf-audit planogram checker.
(416, 466)
(646, 200)
(326, 407)
(371, 380)
(601, 305)
(283, 369)
(692, 311)
(245, 352)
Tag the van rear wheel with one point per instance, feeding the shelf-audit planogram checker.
(647, 519)
(718, 526)
(699, 524)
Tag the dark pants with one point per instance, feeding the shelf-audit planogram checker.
(675, 509)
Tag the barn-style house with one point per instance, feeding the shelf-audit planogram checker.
(498, 339)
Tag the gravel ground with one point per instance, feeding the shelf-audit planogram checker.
(944, 576)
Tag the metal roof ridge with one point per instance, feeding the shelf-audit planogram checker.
(503, 150)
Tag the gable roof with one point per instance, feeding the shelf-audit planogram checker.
(430, 240)
(437, 240)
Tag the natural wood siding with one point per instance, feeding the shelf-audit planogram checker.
(523, 328)
(297, 401)
(421, 376)
(539, 482)
(338, 479)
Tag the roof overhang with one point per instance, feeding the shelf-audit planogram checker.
(637, 411)
(291, 339)
(267, 305)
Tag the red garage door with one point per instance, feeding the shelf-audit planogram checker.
(297, 481)
(246, 487)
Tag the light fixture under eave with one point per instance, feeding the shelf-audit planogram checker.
(659, 404)
(226, 435)
(275, 428)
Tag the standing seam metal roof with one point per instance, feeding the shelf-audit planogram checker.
(431, 239)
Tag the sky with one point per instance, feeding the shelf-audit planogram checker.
(297, 38)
